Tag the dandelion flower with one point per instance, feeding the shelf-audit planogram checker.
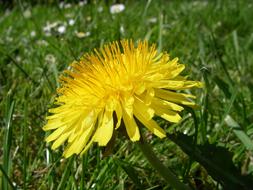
(114, 87)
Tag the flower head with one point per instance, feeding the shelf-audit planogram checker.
(118, 84)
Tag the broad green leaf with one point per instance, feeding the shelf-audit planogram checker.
(244, 138)
(216, 160)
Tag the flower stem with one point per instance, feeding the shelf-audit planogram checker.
(163, 170)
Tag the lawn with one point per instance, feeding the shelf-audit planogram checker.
(212, 146)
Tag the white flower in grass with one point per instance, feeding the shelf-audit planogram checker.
(18, 59)
(152, 20)
(27, 13)
(9, 39)
(122, 30)
(88, 18)
(47, 29)
(100, 9)
(117, 8)
(33, 33)
(67, 6)
(93, 185)
(82, 34)
(61, 29)
(50, 59)
(61, 4)
(7, 12)
(82, 3)
(55, 27)
(42, 43)
(71, 22)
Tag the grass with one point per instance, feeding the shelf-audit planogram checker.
(213, 38)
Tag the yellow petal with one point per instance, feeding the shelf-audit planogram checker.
(191, 84)
(73, 136)
(84, 138)
(146, 110)
(118, 111)
(150, 124)
(131, 127)
(78, 144)
(175, 71)
(105, 131)
(147, 96)
(167, 114)
(87, 146)
(174, 97)
(89, 119)
(55, 134)
(128, 102)
(166, 67)
(140, 88)
(58, 113)
(53, 124)
(165, 104)
(155, 77)
(60, 140)
(158, 57)
(169, 84)
(82, 124)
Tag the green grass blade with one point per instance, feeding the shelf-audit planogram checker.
(130, 171)
(7, 141)
(244, 138)
(24, 144)
(84, 165)
(66, 174)
(7, 177)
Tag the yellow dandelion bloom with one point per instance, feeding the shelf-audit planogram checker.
(119, 83)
